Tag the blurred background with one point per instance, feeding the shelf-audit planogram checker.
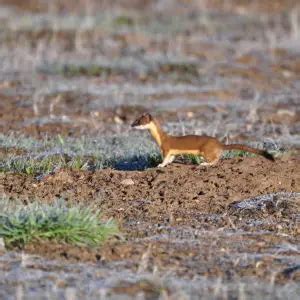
(225, 68)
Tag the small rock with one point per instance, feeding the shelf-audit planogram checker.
(287, 73)
(95, 113)
(8, 84)
(127, 181)
(286, 112)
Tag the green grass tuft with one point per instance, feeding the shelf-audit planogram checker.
(78, 226)
(237, 153)
(46, 165)
(194, 159)
(123, 21)
(74, 70)
(154, 159)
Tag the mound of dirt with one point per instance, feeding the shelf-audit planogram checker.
(176, 192)
(194, 220)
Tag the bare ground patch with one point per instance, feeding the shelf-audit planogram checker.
(194, 220)
(156, 194)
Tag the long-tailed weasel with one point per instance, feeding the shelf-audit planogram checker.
(208, 147)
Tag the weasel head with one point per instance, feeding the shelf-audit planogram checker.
(143, 122)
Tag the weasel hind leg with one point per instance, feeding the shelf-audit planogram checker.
(210, 163)
(212, 158)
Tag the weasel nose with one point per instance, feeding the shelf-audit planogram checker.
(134, 124)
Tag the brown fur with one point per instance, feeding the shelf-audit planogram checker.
(208, 147)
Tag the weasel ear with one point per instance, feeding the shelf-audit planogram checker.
(148, 116)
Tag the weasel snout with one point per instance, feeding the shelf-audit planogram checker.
(135, 123)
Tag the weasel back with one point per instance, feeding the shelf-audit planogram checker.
(191, 142)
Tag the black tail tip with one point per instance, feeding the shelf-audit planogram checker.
(268, 156)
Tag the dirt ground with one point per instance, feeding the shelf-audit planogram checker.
(152, 195)
(184, 217)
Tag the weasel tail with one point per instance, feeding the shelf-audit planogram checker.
(263, 153)
(206, 146)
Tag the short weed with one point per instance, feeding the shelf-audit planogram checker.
(74, 70)
(182, 72)
(32, 166)
(154, 159)
(194, 159)
(123, 21)
(237, 153)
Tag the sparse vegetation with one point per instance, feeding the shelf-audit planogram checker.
(124, 21)
(84, 153)
(176, 71)
(75, 225)
(46, 165)
(89, 154)
(237, 153)
(180, 72)
(73, 70)
(195, 159)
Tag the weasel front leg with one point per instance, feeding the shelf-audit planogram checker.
(167, 160)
